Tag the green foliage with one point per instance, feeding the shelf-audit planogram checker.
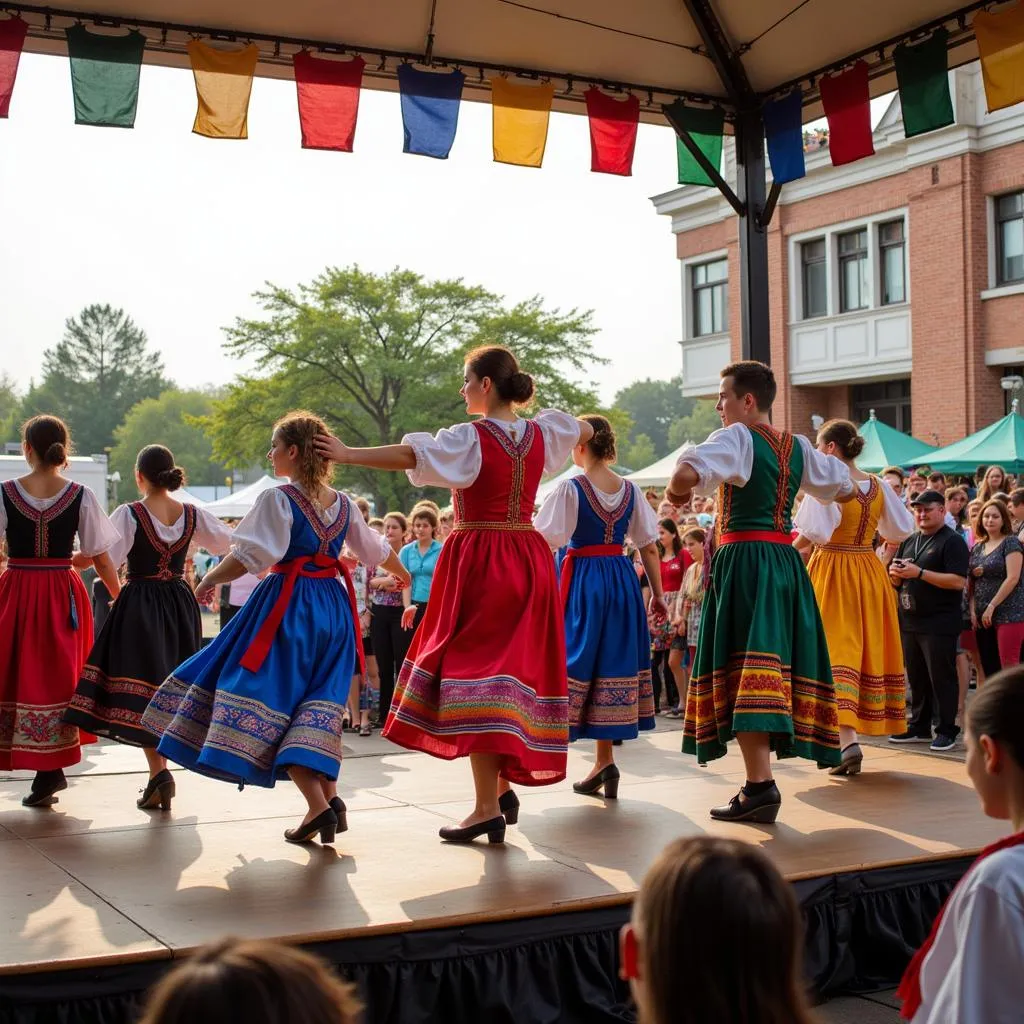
(695, 427)
(379, 356)
(10, 407)
(171, 420)
(94, 375)
(653, 406)
(639, 454)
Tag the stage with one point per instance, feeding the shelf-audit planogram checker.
(96, 897)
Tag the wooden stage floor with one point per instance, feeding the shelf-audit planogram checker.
(96, 881)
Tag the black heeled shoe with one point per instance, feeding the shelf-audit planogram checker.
(44, 786)
(493, 828)
(325, 823)
(159, 792)
(608, 777)
(341, 811)
(850, 764)
(508, 804)
(761, 809)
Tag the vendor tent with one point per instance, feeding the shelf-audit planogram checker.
(188, 498)
(549, 485)
(999, 444)
(236, 504)
(657, 474)
(887, 446)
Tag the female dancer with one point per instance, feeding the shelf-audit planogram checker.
(45, 615)
(606, 635)
(667, 663)
(155, 623)
(856, 598)
(265, 700)
(485, 675)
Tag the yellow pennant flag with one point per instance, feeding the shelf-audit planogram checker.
(1001, 47)
(521, 115)
(223, 84)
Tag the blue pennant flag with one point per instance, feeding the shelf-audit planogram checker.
(430, 109)
(784, 133)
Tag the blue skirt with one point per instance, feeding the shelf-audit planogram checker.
(608, 649)
(219, 719)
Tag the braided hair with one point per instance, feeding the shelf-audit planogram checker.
(300, 428)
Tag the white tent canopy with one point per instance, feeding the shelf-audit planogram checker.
(657, 474)
(236, 504)
(549, 485)
(188, 498)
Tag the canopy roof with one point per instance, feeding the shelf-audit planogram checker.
(657, 45)
(236, 504)
(886, 446)
(188, 498)
(999, 444)
(657, 474)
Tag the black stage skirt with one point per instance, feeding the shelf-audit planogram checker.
(153, 627)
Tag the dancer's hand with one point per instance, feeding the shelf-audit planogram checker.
(408, 617)
(657, 609)
(204, 590)
(331, 447)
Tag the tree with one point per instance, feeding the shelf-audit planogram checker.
(100, 368)
(653, 406)
(169, 420)
(639, 454)
(10, 405)
(379, 356)
(696, 426)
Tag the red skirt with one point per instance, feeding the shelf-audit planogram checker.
(42, 654)
(485, 673)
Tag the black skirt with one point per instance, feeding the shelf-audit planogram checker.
(152, 628)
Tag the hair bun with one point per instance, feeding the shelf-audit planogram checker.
(521, 386)
(56, 454)
(171, 479)
(854, 447)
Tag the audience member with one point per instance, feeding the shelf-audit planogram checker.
(995, 586)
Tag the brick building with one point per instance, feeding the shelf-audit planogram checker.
(896, 283)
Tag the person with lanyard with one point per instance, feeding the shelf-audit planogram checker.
(930, 571)
(420, 559)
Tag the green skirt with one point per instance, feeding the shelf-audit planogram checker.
(762, 661)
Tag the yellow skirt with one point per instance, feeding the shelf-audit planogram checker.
(858, 609)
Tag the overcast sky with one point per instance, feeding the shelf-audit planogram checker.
(180, 230)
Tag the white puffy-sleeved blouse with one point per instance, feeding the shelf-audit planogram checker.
(727, 457)
(559, 515)
(210, 533)
(817, 522)
(262, 538)
(96, 534)
(451, 458)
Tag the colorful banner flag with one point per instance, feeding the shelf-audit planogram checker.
(520, 121)
(1001, 48)
(922, 73)
(328, 92)
(613, 125)
(223, 86)
(705, 126)
(783, 132)
(430, 109)
(105, 76)
(12, 41)
(847, 104)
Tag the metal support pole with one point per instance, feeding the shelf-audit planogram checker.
(750, 182)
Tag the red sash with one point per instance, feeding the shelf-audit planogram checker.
(571, 554)
(746, 536)
(327, 568)
(910, 987)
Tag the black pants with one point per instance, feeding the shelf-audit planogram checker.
(390, 642)
(659, 669)
(931, 671)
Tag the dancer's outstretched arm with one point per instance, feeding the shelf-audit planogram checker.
(394, 457)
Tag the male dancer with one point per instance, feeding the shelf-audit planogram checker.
(762, 671)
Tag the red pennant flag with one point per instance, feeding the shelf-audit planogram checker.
(12, 40)
(847, 104)
(328, 100)
(613, 124)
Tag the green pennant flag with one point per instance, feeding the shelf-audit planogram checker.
(705, 126)
(922, 73)
(105, 76)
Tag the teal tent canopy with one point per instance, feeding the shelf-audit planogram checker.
(999, 444)
(886, 446)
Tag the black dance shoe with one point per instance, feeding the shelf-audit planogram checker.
(761, 809)
(159, 792)
(339, 808)
(44, 786)
(607, 777)
(850, 764)
(326, 824)
(493, 828)
(508, 804)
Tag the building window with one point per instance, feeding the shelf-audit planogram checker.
(892, 260)
(890, 400)
(709, 284)
(853, 270)
(1010, 238)
(814, 270)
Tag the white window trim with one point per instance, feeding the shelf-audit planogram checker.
(996, 290)
(686, 266)
(830, 233)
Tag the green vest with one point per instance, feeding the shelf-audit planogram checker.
(765, 501)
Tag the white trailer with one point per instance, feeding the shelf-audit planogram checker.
(90, 470)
